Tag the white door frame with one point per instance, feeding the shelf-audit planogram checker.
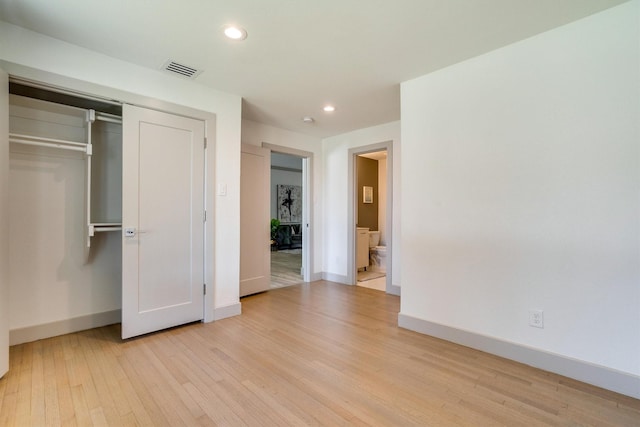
(307, 214)
(352, 273)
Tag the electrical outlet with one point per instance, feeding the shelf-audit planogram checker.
(536, 318)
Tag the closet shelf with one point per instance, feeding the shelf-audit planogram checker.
(105, 226)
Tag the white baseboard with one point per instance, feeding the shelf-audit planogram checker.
(95, 320)
(315, 277)
(61, 327)
(220, 313)
(601, 376)
(394, 290)
(338, 278)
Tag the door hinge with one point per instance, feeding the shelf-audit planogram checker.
(204, 289)
(205, 216)
(205, 142)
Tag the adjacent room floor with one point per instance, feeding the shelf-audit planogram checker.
(285, 271)
(285, 268)
(372, 280)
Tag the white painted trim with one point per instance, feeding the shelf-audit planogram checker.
(314, 277)
(394, 290)
(220, 313)
(601, 376)
(337, 278)
(61, 327)
(287, 150)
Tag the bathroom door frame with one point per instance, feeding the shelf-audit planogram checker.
(352, 273)
(307, 215)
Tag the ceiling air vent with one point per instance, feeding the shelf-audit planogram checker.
(180, 69)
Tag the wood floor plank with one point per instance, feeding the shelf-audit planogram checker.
(65, 408)
(144, 409)
(51, 402)
(37, 415)
(23, 403)
(310, 354)
(3, 388)
(80, 408)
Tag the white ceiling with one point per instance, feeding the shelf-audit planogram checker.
(300, 54)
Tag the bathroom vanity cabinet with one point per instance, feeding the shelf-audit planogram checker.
(362, 247)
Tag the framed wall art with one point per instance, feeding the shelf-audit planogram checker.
(367, 194)
(289, 203)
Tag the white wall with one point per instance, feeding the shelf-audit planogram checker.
(30, 55)
(335, 196)
(523, 170)
(256, 133)
(4, 226)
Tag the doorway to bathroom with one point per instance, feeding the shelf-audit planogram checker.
(370, 242)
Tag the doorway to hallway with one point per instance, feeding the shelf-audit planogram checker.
(287, 219)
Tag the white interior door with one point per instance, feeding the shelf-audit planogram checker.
(255, 256)
(162, 219)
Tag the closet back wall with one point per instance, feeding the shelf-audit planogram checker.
(54, 279)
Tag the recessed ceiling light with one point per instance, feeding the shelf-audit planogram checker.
(235, 33)
(308, 119)
(329, 108)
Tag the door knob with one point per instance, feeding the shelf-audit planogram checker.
(131, 232)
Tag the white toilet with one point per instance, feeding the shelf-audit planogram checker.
(377, 253)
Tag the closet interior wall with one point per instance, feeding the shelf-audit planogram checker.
(54, 277)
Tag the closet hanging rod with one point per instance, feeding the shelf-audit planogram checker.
(45, 140)
(82, 148)
(46, 144)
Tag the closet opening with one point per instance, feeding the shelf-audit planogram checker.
(107, 214)
(65, 196)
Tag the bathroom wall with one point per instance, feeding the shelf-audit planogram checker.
(367, 170)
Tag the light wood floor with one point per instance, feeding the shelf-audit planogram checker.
(312, 354)
(285, 269)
